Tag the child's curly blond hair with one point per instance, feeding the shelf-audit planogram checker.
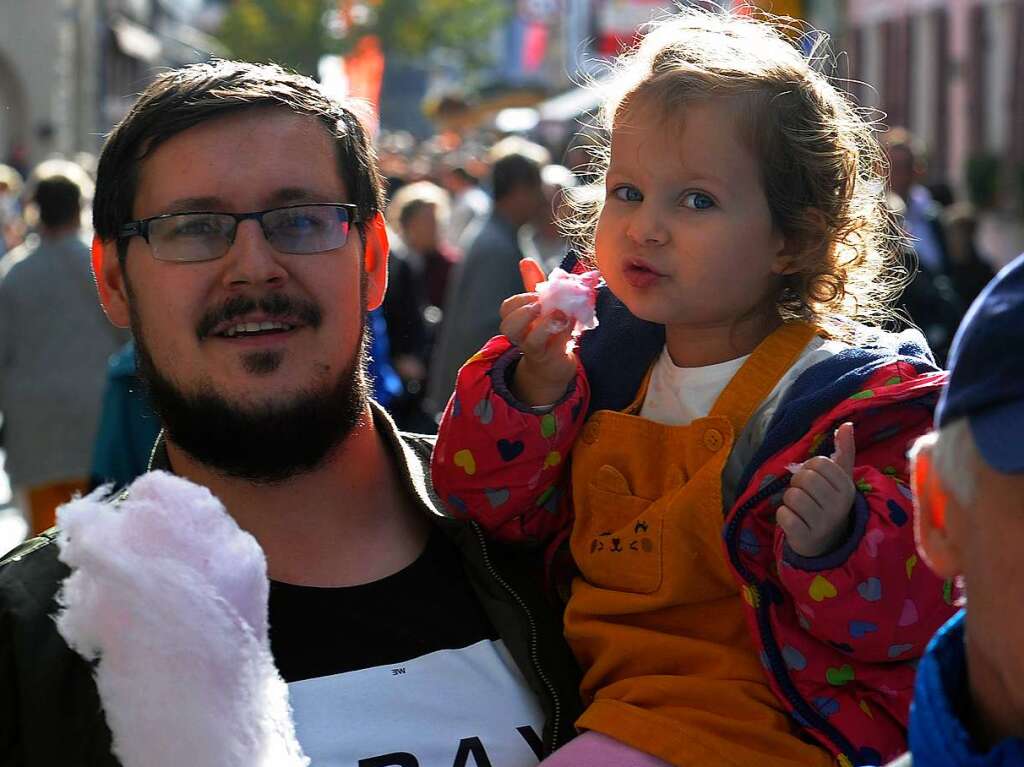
(821, 166)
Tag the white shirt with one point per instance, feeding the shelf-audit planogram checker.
(467, 706)
(678, 396)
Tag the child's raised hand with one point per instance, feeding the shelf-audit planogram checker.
(547, 366)
(816, 508)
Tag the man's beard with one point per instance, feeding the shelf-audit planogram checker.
(271, 442)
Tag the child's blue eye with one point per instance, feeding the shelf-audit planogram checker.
(628, 194)
(698, 201)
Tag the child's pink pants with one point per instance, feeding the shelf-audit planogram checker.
(592, 749)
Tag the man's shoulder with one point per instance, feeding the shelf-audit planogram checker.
(32, 262)
(29, 547)
(491, 234)
(12, 260)
(31, 573)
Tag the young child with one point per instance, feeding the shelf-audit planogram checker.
(725, 452)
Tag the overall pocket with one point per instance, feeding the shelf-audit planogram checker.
(617, 536)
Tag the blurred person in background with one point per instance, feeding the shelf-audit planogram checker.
(544, 233)
(922, 214)
(969, 268)
(54, 346)
(489, 270)
(418, 268)
(469, 201)
(11, 227)
(930, 298)
(128, 428)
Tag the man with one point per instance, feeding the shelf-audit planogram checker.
(544, 232)
(10, 210)
(469, 202)
(488, 272)
(931, 298)
(54, 346)
(418, 270)
(239, 235)
(907, 168)
(968, 707)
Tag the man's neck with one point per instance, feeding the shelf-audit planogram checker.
(509, 212)
(991, 716)
(347, 522)
(52, 233)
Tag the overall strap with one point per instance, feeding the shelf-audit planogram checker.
(764, 368)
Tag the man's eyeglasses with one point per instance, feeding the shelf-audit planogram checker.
(201, 236)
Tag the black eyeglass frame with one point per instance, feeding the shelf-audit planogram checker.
(140, 228)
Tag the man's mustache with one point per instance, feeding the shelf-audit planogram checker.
(275, 306)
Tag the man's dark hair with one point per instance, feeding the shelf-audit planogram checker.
(183, 98)
(512, 171)
(465, 175)
(59, 200)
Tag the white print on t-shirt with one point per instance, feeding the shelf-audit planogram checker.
(469, 707)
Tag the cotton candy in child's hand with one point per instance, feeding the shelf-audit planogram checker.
(569, 299)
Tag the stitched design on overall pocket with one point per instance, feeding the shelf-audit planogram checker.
(617, 540)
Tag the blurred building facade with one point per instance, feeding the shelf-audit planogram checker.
(70, 68)
(952, 71)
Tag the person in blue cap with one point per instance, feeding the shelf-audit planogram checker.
(968, 706)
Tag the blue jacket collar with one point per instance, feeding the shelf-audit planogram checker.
(937, 736)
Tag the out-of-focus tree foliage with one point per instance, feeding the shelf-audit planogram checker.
(296, 33)
(290, 32)
(414, 27)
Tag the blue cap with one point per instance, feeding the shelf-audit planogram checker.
(986, 363)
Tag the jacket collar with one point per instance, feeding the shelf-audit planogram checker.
(938, 738)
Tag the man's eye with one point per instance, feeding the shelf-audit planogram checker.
(300, 223)
(195, 227)
(628, 194)
(698, 201)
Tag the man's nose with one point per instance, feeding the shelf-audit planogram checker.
(251, 260)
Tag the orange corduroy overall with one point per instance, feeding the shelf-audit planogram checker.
(656, 619)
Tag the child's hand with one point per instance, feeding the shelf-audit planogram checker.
(547, 367)
(816, 508)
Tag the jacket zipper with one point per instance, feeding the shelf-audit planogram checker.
(770, 646)
(556, 716)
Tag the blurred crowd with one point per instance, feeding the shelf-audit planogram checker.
(461, 215)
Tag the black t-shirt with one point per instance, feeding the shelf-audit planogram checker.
(404, 672)
(428, 606)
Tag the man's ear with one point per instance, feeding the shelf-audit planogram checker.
(375, 261)
(110, 283)
(934, 509)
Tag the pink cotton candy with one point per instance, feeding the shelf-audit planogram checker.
(571, 298)
(167, 598)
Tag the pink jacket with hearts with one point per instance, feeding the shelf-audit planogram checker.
(838, 634)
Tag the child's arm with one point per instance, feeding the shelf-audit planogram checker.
(861, 589)
(506, 433)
